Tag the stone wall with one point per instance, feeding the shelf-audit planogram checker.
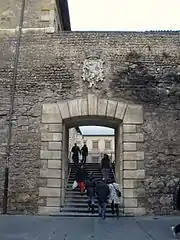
(139, 68)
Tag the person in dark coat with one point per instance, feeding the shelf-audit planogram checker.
(91, 191)
(105, 166)
(176, 203)
(81, 176)
(76, 151)
(84, 152)
(102, 193)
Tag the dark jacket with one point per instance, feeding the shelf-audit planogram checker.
(105, 163)
(102, 191)
(91, 186)
(84, 150)
(176, 197)
(75, 150)
(81, 175)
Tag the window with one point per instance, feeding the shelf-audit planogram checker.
(107, 144)
(95, 144)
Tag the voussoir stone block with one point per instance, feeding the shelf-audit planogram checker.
(84, 107)
(51, 118)
(102, 107)
(134, 174)
(50, 108)
(134, 114)
(49, 192)
(50, 173)
(133, 137)
(92, 105)
(134, 155)
(120, 110)
(74, 108)
(129, 146)
(111, 108)
(44, 154)
(47, 136)
(64, 109)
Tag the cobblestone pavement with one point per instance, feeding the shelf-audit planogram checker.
(60, 228)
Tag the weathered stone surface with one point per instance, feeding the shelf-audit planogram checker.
(134, 174)
(64, 109)
(57, 128)
(130, 202)
(129, 128)
(51, 137)
(51, 118)
(48, 210)
(55, 164)
(111, 108)
(50, 173)
(129, 193)
(134, 114)
(55, 146)
(129, 146)
(102, 107)
(54, 182)
(136, 211)
(134, 155)
(128, 183)
(92, 105)
(49, 192)
(74, 108)
(120, 110)
(133, 137)
(84, 107)
(130, 165)
(50, 154)
(53, 202)
(50, 108)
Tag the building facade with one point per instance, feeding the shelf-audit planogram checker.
(51, 81)
(98, 145)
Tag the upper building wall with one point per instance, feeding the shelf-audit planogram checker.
(37, 14)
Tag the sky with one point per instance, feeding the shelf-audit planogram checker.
(122, 15)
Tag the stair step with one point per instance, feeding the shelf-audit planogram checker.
(83, 210)
(74, 214)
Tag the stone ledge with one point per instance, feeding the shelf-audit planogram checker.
(48, 210)
(49, 192)
(50, 173)
(133, 156)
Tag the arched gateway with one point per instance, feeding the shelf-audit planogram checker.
(57, 118)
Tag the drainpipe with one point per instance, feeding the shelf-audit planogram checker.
(11, 110)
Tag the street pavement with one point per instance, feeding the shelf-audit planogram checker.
(66, 228)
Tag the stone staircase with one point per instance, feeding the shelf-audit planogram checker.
(75, 203)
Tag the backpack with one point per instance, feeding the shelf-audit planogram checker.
(117, 191)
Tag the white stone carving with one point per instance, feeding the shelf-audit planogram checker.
(93, 71)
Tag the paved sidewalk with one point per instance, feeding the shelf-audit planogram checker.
(61, 228)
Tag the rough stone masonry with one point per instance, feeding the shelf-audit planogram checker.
(129, 68)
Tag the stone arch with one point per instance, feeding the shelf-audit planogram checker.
(56, 117)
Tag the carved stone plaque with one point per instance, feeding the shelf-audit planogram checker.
(93, 71)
